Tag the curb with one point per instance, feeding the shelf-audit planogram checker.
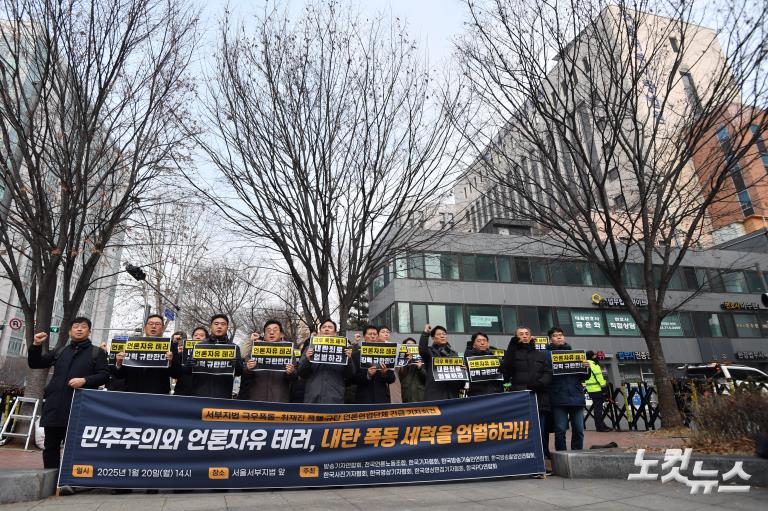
(25, 485)
(617, 464)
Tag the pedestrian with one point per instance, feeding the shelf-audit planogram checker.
(435, 390)
(480, 347)
(270, 386)
(413, 376)
(527, 368)
(79, 364)
(373, 381)
(566, 398)
(150, 380)
(325, 383)
(216, 385)
(596, 388)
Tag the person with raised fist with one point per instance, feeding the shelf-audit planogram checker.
(78, 364)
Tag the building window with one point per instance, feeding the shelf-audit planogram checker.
(419, 316)
(529, 317)
(707, 324)
(734, 281)
(613, 174)
(539, 271)
(761, 146)
(754, 281)
(509, 318)
(523, 270)
(690, 92)
(746, 203)
(416, 266)
(564, 321)
(675, 46)
(747, 325)
(478, 267)
(404, 319)
(619, 202)
(504, 269)
(484, 318)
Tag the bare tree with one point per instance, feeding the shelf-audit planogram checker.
(592, 114)
(329, 136)
(88, 93)
(168, 241)
(234, 288)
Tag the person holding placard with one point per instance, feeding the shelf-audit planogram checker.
(373, 380)
(150, 380)
(266, 383)
(183, 385)
(528, 368)
(413, 376)
(325, 380)
(567, 398)
(435, 390)
(215, 383)
(481, 348)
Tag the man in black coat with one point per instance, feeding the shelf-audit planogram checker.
(527, 368)
(150, 380)
(479, 346)
(435, 390)
(79, 364)
(372, 382)
(216, 385)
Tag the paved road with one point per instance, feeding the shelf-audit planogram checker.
(501, 494)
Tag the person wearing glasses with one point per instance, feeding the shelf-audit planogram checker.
(150, 380)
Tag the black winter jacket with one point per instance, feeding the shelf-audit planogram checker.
(372, 390)
(481, 388)
(566, 389)
(324, 383)
(215, 385)
(76, 360)
(150, 380)
(527, 368)
(435, 390)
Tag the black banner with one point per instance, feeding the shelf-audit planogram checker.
(449, 369)
(146, 352)
(218, 359)
(329, 350)
(568, 362)
(378, 353)
(117, 345)
(272, 356)
(484, 368)
(402, 354)
(126, 440)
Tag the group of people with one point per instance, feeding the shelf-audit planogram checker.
(81, 364)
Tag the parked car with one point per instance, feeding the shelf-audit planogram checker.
(723, 374)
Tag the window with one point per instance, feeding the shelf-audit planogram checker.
(598, 277)
(674, 44)
(529, 317)
(571, 273)
(707, 324)
(477, 267)
(760, 145)
(404, 319)
(747, 375)
(418, 316)
(587, 66)
(523, 270)
(539, 272)
(754, 281)
(449, 266)
(690, 282)
(728, 324)
(690, 92)
(564, 321)
(449, 316)
(746, 203)
(546, 319)
(415, 266)
(504, 269)
(671, 326)
(633, 275)
(401, 267)
(676, 281)
(509, 319)
(734, 281)
(486, 318)
(715, 280)
(613, 174)
(619, 202)
(432, 266)
(747, 325)
(378, 282)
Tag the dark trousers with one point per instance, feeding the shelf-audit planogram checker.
(544, 426)
(563, 415)
(54, 435)
(598, 398)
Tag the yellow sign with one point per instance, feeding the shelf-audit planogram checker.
(309, 471)
(413, 349)
(218, 473)
(271, 351)
(190, 343)
(329, 341)
(497, 353)
(558, 358)
(82, 470)
(214, 353)
(378, 351)
(484, 363)
(448, 361)
(117, 346)
(132, 346)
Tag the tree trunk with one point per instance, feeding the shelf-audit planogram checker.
(668, 412)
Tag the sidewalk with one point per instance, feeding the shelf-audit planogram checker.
(501, 494)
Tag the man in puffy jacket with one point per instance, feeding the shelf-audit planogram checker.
(150, 380)
(527, 368)
(595, 386)
(270, 386)
(567, 399)
(372, 381)
(79, 364)
(325, 383)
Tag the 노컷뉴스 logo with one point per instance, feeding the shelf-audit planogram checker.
(677, 460)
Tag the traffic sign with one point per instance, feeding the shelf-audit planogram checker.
(16, 323)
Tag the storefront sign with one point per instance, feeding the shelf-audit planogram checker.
(483, 321)
(587, 323)
(615, 301)
(740, 306)
(751, 355)
(623, 356)
(621, 324)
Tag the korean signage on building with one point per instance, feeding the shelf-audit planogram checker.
(587, 323)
